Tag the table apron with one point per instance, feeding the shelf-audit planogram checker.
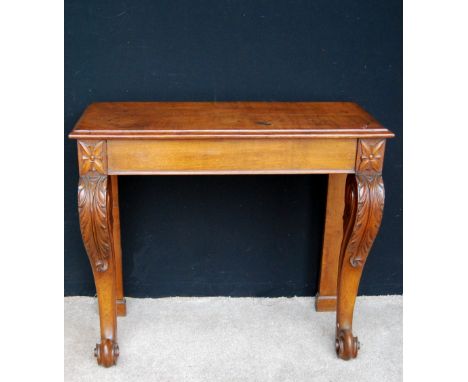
(231, 156)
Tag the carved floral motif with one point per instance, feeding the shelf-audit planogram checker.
(370, 155)
(94, 219)
(92, 157)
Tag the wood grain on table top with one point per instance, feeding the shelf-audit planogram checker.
(185, 120)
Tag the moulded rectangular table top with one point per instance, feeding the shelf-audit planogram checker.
(187, 120)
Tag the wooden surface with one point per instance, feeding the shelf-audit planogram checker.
(119, 292)
(229, 138)
(231, 156)
(325, 300)
(175, 120)
(364, 203)
(95, 203)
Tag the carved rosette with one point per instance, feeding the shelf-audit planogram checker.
(370, 156)
(93, 203)
(92, 157)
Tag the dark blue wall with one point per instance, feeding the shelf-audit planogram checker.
(239, 235)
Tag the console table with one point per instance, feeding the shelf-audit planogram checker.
(159, 138)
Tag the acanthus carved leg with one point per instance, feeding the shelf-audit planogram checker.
(364, 202)
(95, 210)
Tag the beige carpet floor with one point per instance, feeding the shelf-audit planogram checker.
(235, 339)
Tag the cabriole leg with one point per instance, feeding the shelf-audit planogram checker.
(364, 202)
(95, 212)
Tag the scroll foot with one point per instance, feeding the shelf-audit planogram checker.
(347, 346)
(106, 353)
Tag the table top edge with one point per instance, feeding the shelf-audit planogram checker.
(86, 129)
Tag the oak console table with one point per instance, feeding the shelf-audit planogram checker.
(158, 138)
